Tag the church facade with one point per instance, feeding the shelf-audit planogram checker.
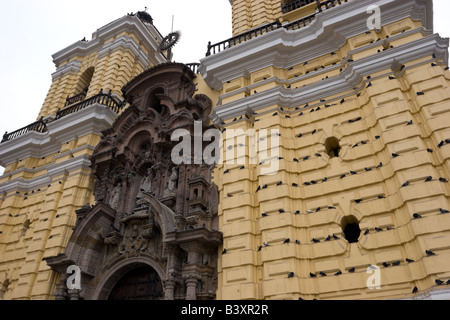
(330, 179)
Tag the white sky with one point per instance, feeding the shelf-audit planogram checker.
(31, 31)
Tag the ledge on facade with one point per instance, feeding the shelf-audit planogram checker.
(40, 126)
(259, 31)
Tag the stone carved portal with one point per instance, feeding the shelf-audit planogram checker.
(149, 213)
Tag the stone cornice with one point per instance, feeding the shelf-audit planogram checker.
(92, 119)
(126, 23)
(352, 76)
(282, 48)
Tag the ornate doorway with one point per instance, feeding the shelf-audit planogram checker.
(142, 283)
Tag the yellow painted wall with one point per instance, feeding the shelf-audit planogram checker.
(385, 108)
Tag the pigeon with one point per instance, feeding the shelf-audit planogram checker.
(439, 282)
(428, 179)
(441, 144)
(377, 137)
(328, 238)
(430, 253)
(420, 93)
(264, 214)
(415, 290)
(430, 150)
(264, 186)
(417, 216)
(378, 229)
(312, 275)
(443, 211)
(335, 237)
(318, 209)
(380, 165)
(266, 244)
(366, 232)
(358, 200)
(291, 275)
(342, 101)
(396, 263)
(351, 270)
(353, 173)
(395, 155)
(385, 264)
(314, 132)
(226, 171)
(297, 212)
(279, 183)
(325, 179)
(281, 211)
(405, 184)
(323, 274)
(286, 241)
(295, 185)
(409, 260)
(391, 78)
(297, 241)
(338, 273)
(259, 188)
(259, 248)
(409, 123)
(342, 177)
(443, 180)
(229, 195)
(369, 85)
(309, 211)
(381, 197)
(315, 240)
(299, 135)
(295, 160)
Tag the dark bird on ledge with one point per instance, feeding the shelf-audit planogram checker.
(417, 216)
(428, 179)
(443, 211)
(430, 150)
(415, 290)
(323, 274)
(338, 273)
(395, 155)
(291, 275)
(315, 240)
(380, 165)
(378, 229)
(409, 123)
(281, 211)
(366, 232)
(264, 214)
(439, 282)
(409, 260)
(430, 253)
(224, 251)
(443, 180)
(335, 237)
(286, 241)
(405, 184)
(351, 270)
(312, 275)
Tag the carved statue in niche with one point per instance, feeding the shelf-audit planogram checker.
(172, 183)
(146, 186)
(115, 196)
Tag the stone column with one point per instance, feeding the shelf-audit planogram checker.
(74, 294)
(191, 288)
(169, 289)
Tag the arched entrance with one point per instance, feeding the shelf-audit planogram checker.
(142, 283)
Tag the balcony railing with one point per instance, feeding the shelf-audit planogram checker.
(193, 67)
(303, 22)
(78, 98)
(105, 99)
(38, 126)
(294, 5)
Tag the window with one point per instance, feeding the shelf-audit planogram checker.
(332, 147)
(350, 227)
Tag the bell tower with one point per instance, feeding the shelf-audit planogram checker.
(47, 163)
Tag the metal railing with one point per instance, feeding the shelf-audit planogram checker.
(193, 67)
(294, 5)
(251, 34)
(38, 126)
(105, 99)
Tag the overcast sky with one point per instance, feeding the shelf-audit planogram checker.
(31, 31)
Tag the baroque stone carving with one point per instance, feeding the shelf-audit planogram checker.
(147, 208)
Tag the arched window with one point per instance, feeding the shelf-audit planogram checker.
(84, 81)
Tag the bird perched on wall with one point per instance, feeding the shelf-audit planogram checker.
(443, 180)
(338, 273)
(328, 238)
(279, 183)
(264, 214)
(286, 241)
(259, 248)
(312, 275)
(405, 184)
(409, 260)
(430, 253)
(428, 179)
(443, 211)
(335, 237)
(366, 232)
(395, 155)
(315, 240)
(323, 274)
(290, 275)
(417, 216)
(439, 282)
(224, 251)
(430, 150)
(380, 165)
(281, 211)
(358, 200)
(415, 290)
(351, 270)
(266, 244)
(378, 229)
